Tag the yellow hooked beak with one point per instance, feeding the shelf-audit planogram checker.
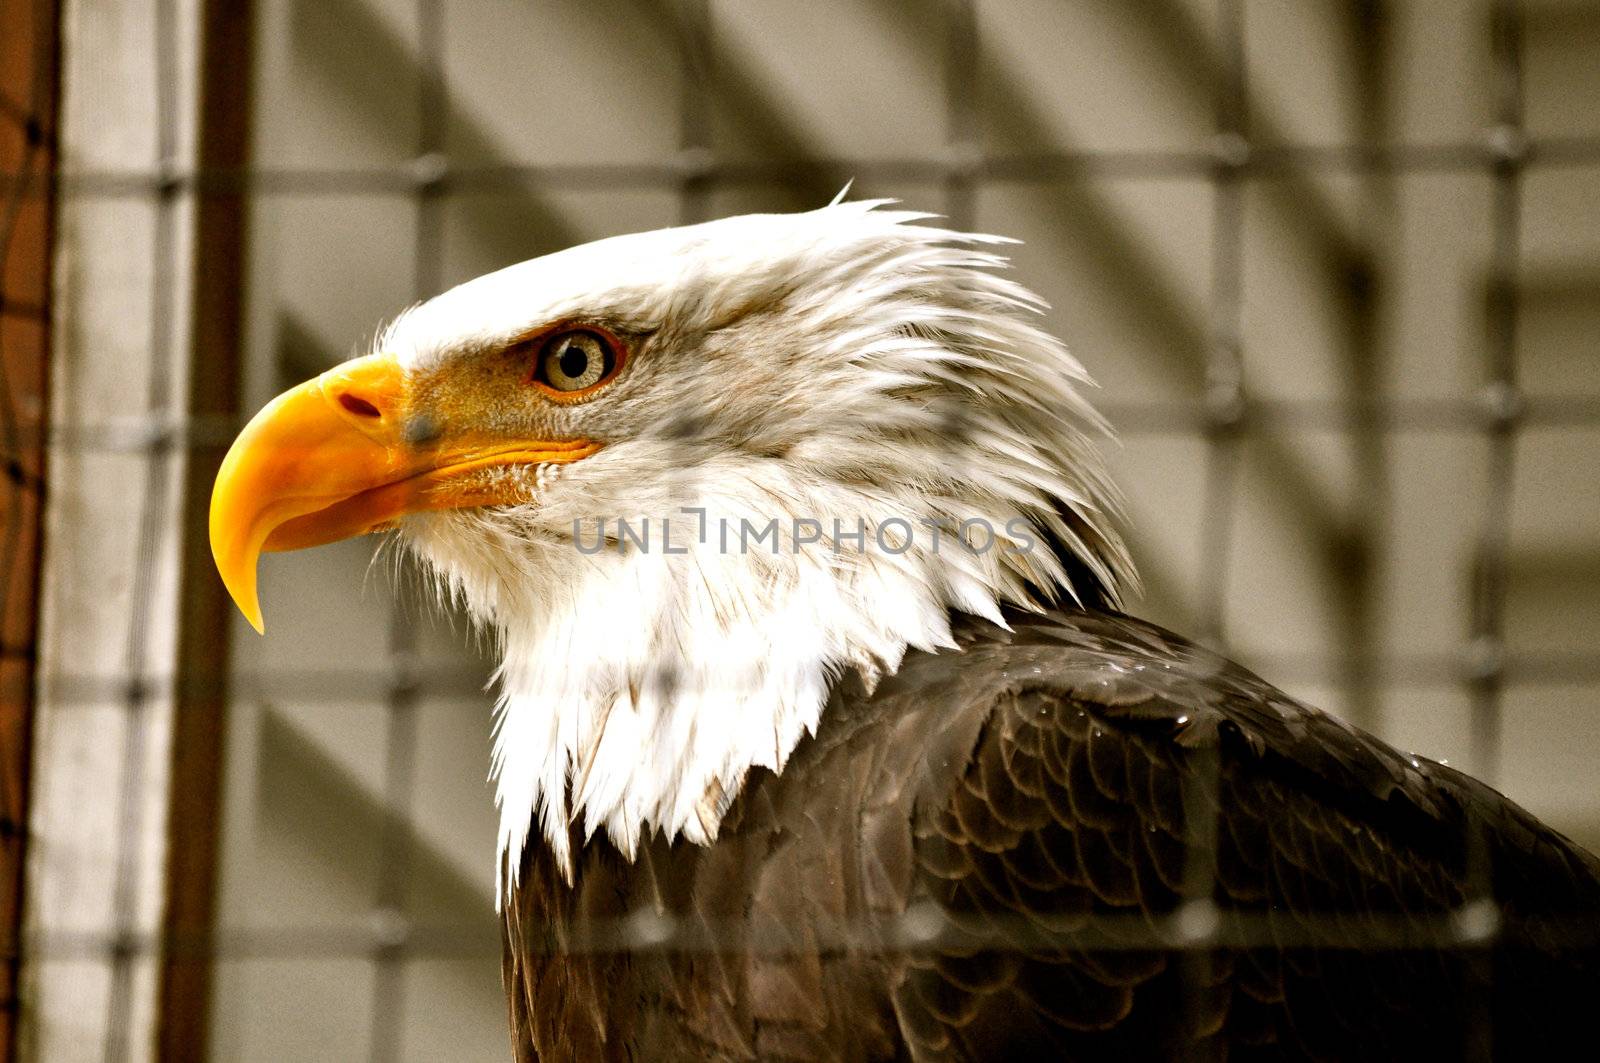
(337, 457)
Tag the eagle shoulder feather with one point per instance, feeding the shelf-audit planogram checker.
(989, 856)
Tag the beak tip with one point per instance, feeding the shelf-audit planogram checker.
(239, 578)
(249, 605)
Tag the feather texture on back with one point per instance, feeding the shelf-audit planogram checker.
(989, 857)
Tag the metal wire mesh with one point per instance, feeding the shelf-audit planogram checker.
(1224, 418)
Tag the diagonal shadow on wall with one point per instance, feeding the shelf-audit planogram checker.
(335, 820)
(382, 90)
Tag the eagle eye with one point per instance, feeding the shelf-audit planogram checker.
(575, 360)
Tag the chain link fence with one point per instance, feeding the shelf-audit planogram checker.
(409, 188)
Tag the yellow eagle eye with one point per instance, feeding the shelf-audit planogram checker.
(572, 361)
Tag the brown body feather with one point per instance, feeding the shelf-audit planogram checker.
(989, 857)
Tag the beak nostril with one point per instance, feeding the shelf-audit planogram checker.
(359, 406)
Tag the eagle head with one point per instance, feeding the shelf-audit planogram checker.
(686, 479)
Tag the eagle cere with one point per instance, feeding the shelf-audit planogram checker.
(931, 716)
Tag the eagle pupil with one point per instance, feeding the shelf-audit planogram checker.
(574, 361)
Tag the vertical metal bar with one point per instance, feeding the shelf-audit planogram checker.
(391, 921)
(1479, 918)
(1199, 920)
(28, 46)
(963, 166)
(200, 695)
(1225, 395)
(1501, 397)
(696, 160)
(1361, 541)
(694, 117)
(962, 146)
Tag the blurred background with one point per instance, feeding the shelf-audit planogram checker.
(1335, 263)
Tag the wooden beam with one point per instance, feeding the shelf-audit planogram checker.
(204, 612)
(28, 45)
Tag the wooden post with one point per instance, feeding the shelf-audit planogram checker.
(204, 612)
(28, 42)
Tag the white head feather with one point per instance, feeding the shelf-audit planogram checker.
(840, 365)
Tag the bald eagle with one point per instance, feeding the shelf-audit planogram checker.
(820, 734)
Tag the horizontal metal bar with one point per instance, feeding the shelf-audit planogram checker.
(439, 175)
(1194, 926)
(142, 435)
(1471, 665)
